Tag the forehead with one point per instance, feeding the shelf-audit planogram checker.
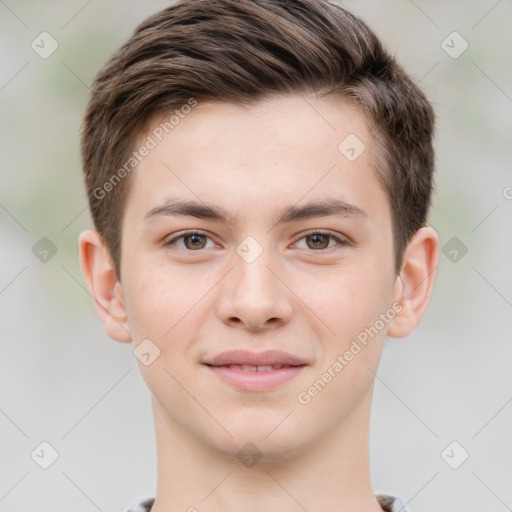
(302, 123)
(278, 150)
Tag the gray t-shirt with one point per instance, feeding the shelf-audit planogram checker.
(388, 504)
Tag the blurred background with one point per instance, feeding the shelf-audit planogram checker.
(442, 416)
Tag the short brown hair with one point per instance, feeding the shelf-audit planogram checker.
(243, 51)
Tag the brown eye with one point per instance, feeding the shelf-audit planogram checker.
(318, 241)
(321, 241)
(192, 241)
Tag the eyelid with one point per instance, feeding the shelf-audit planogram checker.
(340, 239)
(182, 234)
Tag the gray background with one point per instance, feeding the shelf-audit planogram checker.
(62, 380)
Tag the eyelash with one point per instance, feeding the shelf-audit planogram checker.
(340, 241)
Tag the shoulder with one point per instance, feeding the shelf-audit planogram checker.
(390, 503)
(142, 505)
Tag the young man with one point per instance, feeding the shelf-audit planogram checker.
(259, 175)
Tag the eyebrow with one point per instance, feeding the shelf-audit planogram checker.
(288, 214)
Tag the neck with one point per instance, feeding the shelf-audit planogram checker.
(330, 476)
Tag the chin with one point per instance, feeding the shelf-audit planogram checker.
(259, 451)
(264, 436)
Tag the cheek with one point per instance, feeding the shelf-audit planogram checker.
(159, 305)
(352, 307)
(346, 299)
(144, 301)
(158, 298)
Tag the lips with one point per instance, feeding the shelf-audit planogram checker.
(273, 358)
(259, 368)
(256, 371)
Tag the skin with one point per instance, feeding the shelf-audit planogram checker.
(194, 303)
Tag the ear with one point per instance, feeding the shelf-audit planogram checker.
(105, 289)
(414, 284)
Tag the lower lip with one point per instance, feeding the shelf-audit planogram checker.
(256, 381)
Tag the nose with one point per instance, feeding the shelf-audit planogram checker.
(254, 295)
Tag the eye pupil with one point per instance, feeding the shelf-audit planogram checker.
(195, 240)
(319, 240)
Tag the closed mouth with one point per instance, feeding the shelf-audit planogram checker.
(259, 368)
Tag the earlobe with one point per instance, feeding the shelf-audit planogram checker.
(103, 285)
(415, 281)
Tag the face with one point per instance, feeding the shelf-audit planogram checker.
(266, 278)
